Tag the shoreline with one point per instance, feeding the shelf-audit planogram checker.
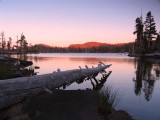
(153, 55)
(62, 104)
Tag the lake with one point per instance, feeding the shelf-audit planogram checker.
(137, 80)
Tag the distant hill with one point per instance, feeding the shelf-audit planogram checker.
(87, 45)
(95, 44)
(43, 45)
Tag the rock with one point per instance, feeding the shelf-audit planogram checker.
(120, 115)
(36, 67)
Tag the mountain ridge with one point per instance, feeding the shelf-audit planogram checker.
(85, 45)
(94, 44)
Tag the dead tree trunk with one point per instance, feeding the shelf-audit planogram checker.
(15, 90)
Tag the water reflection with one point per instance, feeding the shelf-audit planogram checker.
(94, 60)
(17, 67)
(91, 60)
(51, 62)
(147, 72)
(96, 83)
(13, 69)
(144, 73)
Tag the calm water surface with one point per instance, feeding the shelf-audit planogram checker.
(136, 79)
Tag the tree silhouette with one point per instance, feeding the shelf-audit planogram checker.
(3, 40)
(150, 30)
(9, 42)
(22, 44)
(158, 42)
(139, 31)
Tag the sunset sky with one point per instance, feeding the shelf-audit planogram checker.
(65, 22)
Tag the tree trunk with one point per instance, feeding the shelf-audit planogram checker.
(15, 90)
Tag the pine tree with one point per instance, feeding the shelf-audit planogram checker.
(145, 44)
(3, 40)
(150, 29)
(139, 32)
(158, 42)
(9, 42)
(23, 45)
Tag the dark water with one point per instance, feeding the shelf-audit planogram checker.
(12, 69)
(136, 79)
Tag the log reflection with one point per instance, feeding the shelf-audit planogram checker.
(97, 84)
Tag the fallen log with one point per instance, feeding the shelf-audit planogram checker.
(15, 90)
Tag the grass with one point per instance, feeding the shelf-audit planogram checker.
(107, 99)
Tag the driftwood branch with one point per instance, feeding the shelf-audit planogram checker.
(15, 90)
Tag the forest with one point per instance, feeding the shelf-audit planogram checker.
(22, 47)
(147, 39)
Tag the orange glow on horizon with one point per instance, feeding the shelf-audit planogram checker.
(57, 24)
(64, 35)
